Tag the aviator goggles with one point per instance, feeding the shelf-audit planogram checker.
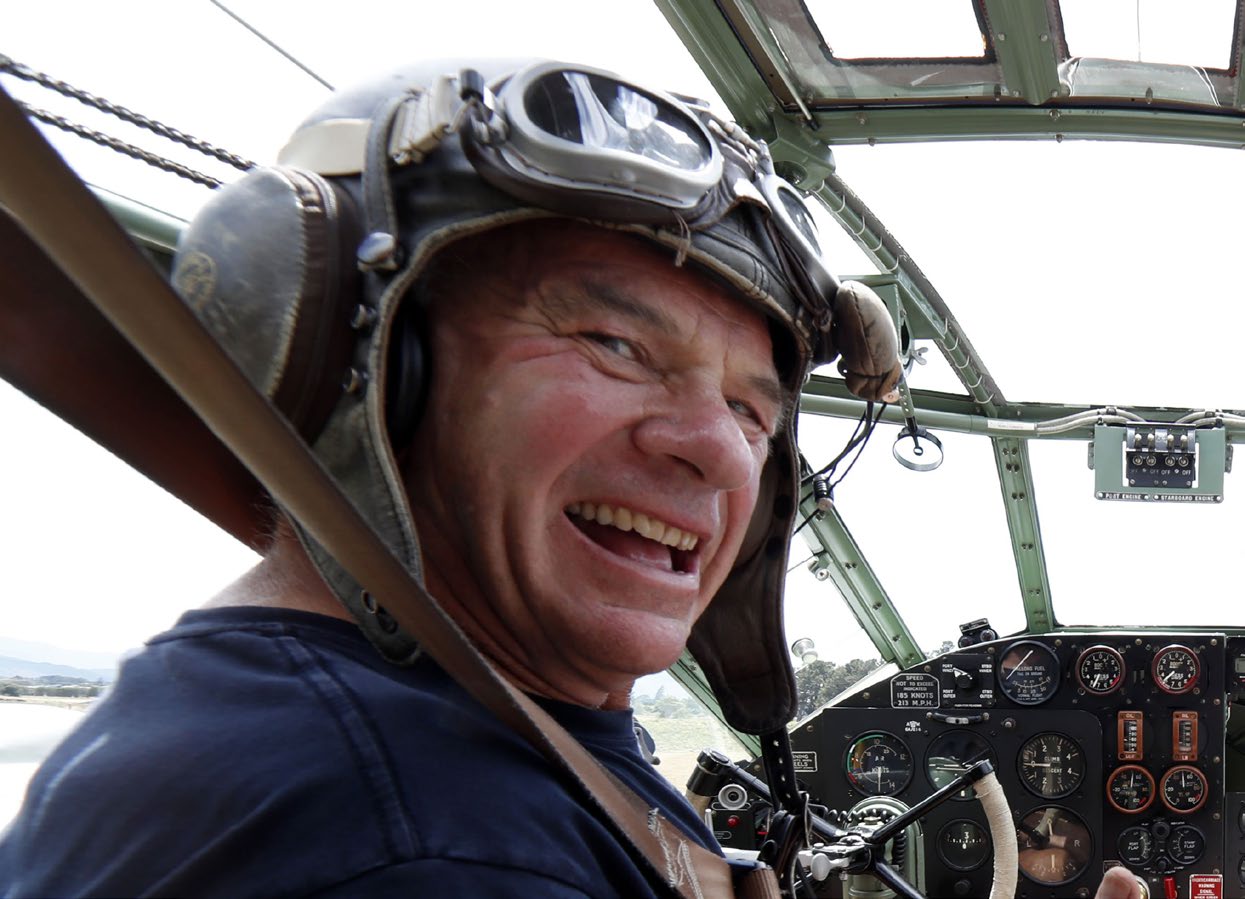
(584, 142)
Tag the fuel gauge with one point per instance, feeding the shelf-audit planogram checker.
(1029, 672)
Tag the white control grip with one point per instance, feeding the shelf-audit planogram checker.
(1003, 833)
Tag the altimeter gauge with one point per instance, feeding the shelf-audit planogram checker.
(950, 753)
(1100, 670)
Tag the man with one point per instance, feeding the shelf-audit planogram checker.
(567, 409)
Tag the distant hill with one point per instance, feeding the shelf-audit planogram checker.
(12, 667)
(56, 655)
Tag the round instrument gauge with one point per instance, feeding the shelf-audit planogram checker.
(1130, 789)
(1136, 845)
(950, 753)
(878, 764)
(1176, 669)
(963, 845)
(1029, 672)
(1184, 789)
(1186, 844)
(1055, 845)
(1100, 670)
(1051, 765)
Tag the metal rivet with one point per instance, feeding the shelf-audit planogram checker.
(353, 380)
(369, 601)
(378, 250)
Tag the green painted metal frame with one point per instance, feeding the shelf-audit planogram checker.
(838, 558)
(1058, 122)
(959, 414)
(1025, 43)
(1011, 458)
(155, 230)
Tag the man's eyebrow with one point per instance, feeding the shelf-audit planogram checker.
(607, 296)
(771, 390)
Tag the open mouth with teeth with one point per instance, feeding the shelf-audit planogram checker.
(636, 536)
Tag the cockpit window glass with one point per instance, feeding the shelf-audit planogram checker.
(867, 29)
(1091, 278)
(936, 540)
(1128, 563)
(1188, 34)
(680, 727)
(843, 254)
(916, 51)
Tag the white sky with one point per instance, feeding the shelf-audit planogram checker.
(1083, 273)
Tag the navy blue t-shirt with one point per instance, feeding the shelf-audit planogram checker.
(259, 752)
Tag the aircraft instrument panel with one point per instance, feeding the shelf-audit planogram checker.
(1110, 748)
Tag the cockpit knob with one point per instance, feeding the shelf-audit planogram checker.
(962, 886)
(1145, 887)
(963, 680)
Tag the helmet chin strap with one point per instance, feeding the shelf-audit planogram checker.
(789, 828)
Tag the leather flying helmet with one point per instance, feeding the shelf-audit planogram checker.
(309, 274)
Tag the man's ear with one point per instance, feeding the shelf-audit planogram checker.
(864, 335)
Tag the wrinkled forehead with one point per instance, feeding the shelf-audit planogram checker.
(608, 268)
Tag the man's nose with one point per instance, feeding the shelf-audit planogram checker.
(705, 435)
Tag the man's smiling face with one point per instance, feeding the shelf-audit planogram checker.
(591, 452)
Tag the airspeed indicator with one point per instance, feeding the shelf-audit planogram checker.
(878, 764)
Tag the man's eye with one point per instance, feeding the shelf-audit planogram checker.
(739, 407)
(617, 345)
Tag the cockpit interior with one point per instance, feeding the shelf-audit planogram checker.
(1026, 562)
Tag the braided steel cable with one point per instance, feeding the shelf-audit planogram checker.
(119, 146)
(18, 70)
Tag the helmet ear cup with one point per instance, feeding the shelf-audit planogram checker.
(405, 391)
(269, 266)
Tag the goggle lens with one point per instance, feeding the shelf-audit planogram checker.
(600, 113)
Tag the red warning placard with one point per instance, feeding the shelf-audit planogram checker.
(1205, 886)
